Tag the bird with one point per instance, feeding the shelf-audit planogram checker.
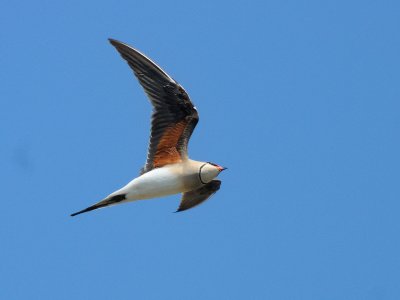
(168, 169)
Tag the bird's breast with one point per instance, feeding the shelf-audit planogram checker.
(161, 182)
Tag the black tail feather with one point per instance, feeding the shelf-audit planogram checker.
(93, 207)
(103, 203)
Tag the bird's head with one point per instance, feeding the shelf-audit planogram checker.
(219, 168)
(209, 171)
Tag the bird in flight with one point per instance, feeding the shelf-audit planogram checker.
(168, 169)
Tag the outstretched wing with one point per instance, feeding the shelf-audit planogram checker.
(174, 116)
(194, 198)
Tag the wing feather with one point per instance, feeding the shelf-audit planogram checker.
(174, 115)
(196, 197)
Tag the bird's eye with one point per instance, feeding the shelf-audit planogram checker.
(215, 165)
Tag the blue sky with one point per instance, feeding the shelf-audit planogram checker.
(300, 99)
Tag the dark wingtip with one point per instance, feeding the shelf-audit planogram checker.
(180, 209)
(114, 42)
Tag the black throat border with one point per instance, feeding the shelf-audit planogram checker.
(201, 180)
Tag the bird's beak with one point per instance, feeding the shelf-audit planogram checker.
(221, 168)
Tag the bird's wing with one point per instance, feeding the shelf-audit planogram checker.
(194, 198)
(174, 116)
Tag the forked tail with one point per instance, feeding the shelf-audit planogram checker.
(106, 202)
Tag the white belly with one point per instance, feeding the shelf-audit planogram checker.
(156, 183)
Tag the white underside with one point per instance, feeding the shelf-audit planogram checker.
(156, 183)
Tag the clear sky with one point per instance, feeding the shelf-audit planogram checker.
(299, 99)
